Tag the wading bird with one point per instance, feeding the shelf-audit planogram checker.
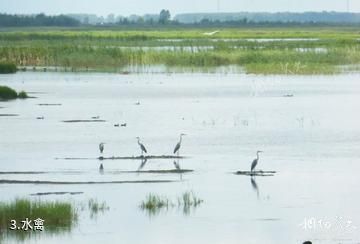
(142, 147)
(178, 145)
(211, 33)
(256, 161)
(101, 147)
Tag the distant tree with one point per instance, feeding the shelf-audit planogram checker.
(7, 20)
(164, 16)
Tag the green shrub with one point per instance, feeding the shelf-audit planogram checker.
(6, 93)
(22, 95)
(7, 68)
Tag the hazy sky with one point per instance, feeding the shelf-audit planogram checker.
(126, 7)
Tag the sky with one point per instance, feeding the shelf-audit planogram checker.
(127, 7)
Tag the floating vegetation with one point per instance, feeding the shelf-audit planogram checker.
(256, 173)
(83, 120)
(58, 216)
(8, 115)
(137, 157)
(39, 182)
(170, 171)
(57, 193)
(154, 204)
(7, 93)
(49, 104)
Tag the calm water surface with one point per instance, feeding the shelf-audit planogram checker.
(311, 138)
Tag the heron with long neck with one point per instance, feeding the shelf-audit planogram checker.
(178, 145)
(142, 147)
(255, 161)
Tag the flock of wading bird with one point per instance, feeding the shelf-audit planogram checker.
(176, 151)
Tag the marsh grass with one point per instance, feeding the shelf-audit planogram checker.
(154, 204)
(55, 214)
(106, 50)
(96, 207)
(58, 217)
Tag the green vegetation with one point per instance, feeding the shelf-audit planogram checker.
(7, 93)
(153, 204)
(7, 68)
(22, 95)
(324, 51)
(95, 207)
(58, 216)
(55, 214)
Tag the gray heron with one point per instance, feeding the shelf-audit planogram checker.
(142, 147)
(178, 145)
(101, 147)
(255, 161)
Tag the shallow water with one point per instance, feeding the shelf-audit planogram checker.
(311, 138)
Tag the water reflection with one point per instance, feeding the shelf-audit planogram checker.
(178, 168)
(101, 169)
(255, 186)
(18, 236)
(142, 164)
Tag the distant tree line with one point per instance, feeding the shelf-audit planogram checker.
(263, 17)
(7, 20)
(163, 19)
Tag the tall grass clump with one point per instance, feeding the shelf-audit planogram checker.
(96, 207)
(153, 204)
(55, 214)
(7, 68)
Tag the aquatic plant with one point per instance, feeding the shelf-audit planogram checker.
(58, 217)
(22, 95)
(7, 93)
(96, 207)
(7, 68)
(56, 214)
(154, 204)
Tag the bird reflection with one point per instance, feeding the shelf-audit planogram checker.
(143, 162)
(177, 167)
(255, 186)
(101, 169)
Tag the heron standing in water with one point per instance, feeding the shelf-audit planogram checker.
(256, 161)
(178, 145)
(101, 147)
(142, 147)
